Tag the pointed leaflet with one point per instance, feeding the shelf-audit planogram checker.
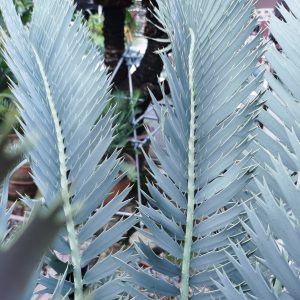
(275, 222)
(62, 90)
(206, 128)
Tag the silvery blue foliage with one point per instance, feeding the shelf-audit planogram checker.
(194, 203)
(62, 89)
(274, 224)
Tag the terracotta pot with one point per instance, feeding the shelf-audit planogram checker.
(21, 181)
(118, 188)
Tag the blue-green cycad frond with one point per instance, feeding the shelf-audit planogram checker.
(275, 222)
(62, 89)
(283, 96)
(194, 204)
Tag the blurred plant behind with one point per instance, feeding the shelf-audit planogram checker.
(96, 23)
(144, 78)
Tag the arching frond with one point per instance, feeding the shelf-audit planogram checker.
(194, 204)
(62, 90)
(274, 224)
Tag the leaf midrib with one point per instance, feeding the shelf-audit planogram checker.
(185, 274)
(65, 195)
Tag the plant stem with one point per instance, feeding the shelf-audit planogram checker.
(185, 274)
(64, 189)
(74, 246)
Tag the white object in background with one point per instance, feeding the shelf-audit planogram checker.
(264, 14)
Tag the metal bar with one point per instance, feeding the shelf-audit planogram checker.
(139, 193)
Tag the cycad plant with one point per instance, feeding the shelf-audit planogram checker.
(196, 211)
(62, 89)
(205, 162)
(274, 224)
